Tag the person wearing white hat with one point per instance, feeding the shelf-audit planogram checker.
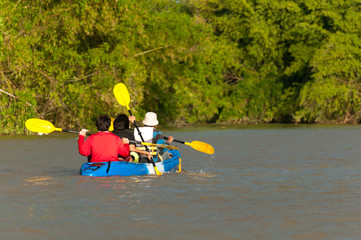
(149, 133)
(150, 119)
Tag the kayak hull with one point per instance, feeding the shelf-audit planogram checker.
(120, 168)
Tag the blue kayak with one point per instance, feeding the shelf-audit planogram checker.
(108, 169)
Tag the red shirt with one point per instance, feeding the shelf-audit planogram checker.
(103, 147)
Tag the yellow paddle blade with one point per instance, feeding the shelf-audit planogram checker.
(40, 126)
(111, 128)
(201, 146)
(157, 171)
(122, 95)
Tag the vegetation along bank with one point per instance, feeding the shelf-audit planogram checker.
(211, 61)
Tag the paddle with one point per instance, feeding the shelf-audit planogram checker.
(155, 145)
(197, 145)
(43, 126)
(122, 95)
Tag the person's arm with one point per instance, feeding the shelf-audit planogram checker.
(158, 138)
(123, 147)
(132, 119)
(170, 139)
(132, 148)
(84, 147)
(125, 140)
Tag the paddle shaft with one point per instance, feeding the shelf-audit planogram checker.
(141, 137)
(122, 95)
(71, 131)
(43, 126)
(175, 140)
(136, 126)
(130, 141)
(88, 134)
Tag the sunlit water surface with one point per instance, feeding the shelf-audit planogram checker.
(264, 182)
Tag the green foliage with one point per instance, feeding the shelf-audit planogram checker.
(190, 61)
(278, 48)
(16, 110)
(335, 92)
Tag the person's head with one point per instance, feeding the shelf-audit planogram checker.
(150, 119)
(121, 122)
(103, 123)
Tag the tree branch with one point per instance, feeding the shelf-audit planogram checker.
(11, 95)
(148, 51)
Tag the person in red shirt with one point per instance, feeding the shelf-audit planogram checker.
(103, 146)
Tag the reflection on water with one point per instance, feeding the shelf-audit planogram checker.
(200, 175)
(42, 180)
(264, 182)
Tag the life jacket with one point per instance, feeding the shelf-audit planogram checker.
(152, 149)
(136, 156)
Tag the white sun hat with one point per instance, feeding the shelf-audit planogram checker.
(150, 119)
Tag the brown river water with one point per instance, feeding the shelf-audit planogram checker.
(264, 182)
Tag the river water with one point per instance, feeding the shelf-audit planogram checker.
(264, 182)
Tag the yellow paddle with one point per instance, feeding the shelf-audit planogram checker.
(43, 126)
(122, 95)
(111, 128)
(197, 145)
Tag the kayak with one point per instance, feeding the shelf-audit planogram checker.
(120, 168)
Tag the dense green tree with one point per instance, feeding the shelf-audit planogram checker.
(280, 63)
(255, 29)
(67, 56)
(190, 61)
(333, 92)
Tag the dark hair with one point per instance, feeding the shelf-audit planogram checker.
(121, 122)
(103, 123)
